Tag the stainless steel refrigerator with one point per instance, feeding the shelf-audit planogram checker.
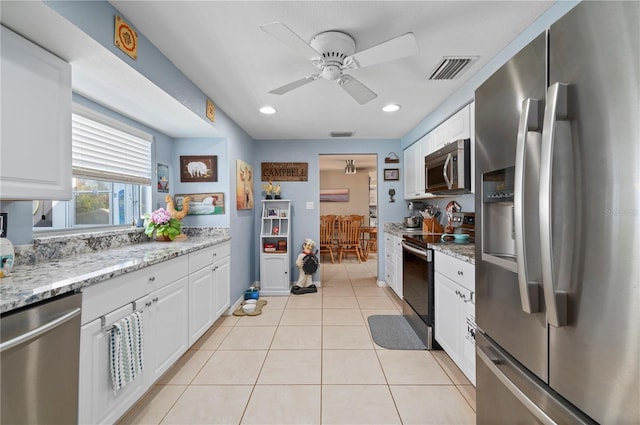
(558, 245)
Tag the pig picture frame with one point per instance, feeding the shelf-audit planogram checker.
(200, 168)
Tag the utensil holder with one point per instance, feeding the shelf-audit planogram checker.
(431, 225)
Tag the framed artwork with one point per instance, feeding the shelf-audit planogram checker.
(211, 110)
(244, 185)
(202, 203)
(199, 168)
(163, 178)
(334, 195)
(272, 213)
(392, 174)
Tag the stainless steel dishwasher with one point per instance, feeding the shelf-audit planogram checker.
(39, 357)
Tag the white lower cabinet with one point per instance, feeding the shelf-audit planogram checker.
(209, 288)
(274, 274)
(167, 336)
(201, 299)
(179, 300)
(455, 311)
(98, 404)
(393, 262)
(222, 280)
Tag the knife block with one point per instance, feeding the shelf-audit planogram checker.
(431, 225)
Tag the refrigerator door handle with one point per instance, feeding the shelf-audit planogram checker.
(527, 257)
(513, 388)
(444, 171)
(556, 110)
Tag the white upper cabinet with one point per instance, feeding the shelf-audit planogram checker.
(455, 128)
(35, 153)
(414, 168)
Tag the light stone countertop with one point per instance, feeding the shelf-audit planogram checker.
(31, 283)
(462, 251)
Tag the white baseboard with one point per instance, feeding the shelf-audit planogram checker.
(382, 283)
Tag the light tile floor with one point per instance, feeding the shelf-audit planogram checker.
(310, 359)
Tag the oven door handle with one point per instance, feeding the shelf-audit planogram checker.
(419, 252)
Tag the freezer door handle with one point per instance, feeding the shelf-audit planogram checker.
(555, 114)
(491, 364)
(525, 183)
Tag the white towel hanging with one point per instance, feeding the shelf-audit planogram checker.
(126, 350)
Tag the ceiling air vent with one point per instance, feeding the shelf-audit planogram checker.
(341, 133)
(449, 67)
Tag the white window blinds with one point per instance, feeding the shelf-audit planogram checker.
(106, 150)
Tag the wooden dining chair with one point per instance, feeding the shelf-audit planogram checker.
(349, 237)
(327, 235)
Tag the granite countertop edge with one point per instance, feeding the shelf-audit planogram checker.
(25, 285)
(461, 251)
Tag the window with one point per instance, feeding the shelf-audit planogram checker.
(111, 176)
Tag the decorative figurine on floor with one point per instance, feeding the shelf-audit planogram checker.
(307, 263)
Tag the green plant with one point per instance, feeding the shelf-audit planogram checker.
(161, 223)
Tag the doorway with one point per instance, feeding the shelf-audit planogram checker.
(350, 190)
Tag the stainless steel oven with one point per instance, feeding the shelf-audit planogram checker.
(417, 285)
(448, 170)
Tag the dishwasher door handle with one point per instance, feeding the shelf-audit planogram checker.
(32, 334)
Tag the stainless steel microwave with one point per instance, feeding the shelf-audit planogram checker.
(448, 170)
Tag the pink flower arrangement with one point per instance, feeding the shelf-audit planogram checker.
(161, 223)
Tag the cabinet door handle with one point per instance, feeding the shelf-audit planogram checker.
(215, 268)
(460, 273)
(152, 279)
(148, 303)
(155, 300)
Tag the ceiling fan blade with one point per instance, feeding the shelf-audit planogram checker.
(286, 36)
(396, 48)
(356, 89)
(295, 84)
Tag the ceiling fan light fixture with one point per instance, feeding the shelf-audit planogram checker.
(351, 167)
(268, 110)
(392, 107)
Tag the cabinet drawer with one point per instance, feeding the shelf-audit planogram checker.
(208, 256)
(200, 259)
(222, 250)
(457, 270)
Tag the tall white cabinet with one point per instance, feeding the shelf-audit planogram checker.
(275, 247)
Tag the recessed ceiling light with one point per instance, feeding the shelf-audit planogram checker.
(268, 110)
(392, 107)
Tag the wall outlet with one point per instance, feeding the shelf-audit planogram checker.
(3, 225)
(310, 205)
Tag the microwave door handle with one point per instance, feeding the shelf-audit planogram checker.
(444, 171)
(555, 121)
(527, 156)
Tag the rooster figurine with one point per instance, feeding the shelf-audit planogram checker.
(178, 215)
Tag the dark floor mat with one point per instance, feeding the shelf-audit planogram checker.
(394, 332)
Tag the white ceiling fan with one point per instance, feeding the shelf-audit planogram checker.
(333, 52)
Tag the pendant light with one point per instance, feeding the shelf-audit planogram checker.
(351, 167)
